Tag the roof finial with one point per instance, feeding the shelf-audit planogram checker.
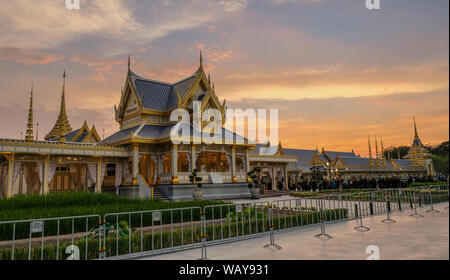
(201, 59)
(62, 125)
(416, 135)
(29, 134)
(383, 158)
(129, 63)
(370, 153)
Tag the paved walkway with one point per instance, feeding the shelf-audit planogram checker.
(410, 238)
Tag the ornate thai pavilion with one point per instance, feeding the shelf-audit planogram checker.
(141, 160)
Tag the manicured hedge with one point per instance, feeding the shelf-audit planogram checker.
(329, 192)
(164, 239)
(81, 204)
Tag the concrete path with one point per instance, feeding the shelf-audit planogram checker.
(409, 238)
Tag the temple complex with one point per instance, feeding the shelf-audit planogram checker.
(141, 160)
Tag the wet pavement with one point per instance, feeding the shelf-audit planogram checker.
(416, 238)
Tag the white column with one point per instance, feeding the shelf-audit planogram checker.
(273, 179)
(193, 159)
(135, 165)
(45, 188)
(286, 184)
(174, 164)
(247, 160)
(99, 176)
(10, 177)
(233, 164)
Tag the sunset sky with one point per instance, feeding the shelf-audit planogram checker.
(336, 70)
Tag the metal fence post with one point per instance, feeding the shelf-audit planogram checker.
(271, 230)
(203, 234)
(432, 210)
(388, 210)
(322, 225)
(415, 207)
(361, 227)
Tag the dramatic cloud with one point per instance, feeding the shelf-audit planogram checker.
(28, 56)
(334, 69)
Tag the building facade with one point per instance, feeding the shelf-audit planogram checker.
(140, 159)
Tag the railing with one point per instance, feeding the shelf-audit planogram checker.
(145, 233)
(74, 144)
(75, 237)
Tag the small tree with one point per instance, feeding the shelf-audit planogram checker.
(194, 179)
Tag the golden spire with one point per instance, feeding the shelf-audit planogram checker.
(416, 135)
(377, 155)
(383, 158)
(201, 59)
(29, 135)
(62, 125)
(370, 154)
(398, 153)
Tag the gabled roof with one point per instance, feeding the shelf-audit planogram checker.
(160, 96)
(355, 161)
(301, 153)
(157, 132)
(80, 135)
(332, 154)
(403, 164)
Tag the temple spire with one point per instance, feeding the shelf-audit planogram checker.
(383, 158)
(129, 63)
(29, 135)
(377, 155)
(62, 125)
(416, 135)
(370, 153)
(201, 59)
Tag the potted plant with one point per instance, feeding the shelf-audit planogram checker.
(197, 193)
(254, 185)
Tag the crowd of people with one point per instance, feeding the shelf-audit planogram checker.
(357, 183)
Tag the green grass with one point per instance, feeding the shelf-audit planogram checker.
(81, 204)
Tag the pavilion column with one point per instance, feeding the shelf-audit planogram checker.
(98, 185)
(10, 177)
(45, 188)
(174, 164)
(286, 183)
(193, 158)
(135, 165)
(273, 179)
(247, 160)
(233, 164)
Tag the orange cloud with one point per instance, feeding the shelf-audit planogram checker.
(28, 57)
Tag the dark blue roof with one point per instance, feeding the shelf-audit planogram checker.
(160, 96)
(301, 153)
(119, 135)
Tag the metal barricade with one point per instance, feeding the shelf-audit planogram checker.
(62, 238)
(227, 222)
(143, 233)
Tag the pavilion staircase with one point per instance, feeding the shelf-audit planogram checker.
(159, 195)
